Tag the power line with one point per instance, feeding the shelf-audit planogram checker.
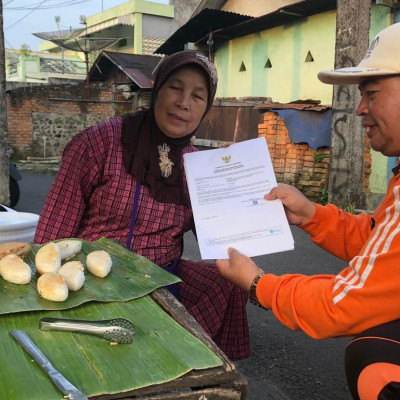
(10, 46)
(39, 7)
(29, 13)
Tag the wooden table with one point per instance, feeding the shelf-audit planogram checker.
(220, 383)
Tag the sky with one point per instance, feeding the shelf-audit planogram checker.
(21, 18)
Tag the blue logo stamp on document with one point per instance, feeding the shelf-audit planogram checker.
(276, 230)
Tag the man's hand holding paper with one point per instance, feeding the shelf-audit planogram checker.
(227, 188)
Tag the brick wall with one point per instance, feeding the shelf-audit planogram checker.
(26, 104)
(60, 111)
(298, 164)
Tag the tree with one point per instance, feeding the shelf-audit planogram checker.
(25, 50)
(347, 147)
(4, 166)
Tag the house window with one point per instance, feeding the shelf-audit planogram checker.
(268, 64)
(309, 57)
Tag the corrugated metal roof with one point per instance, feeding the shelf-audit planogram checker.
(212, 4)
(127, 19)
(200, 26)
(137, 67)
(141, 79)
(226, 26)
(285, 15)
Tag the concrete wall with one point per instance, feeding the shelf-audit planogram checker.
(183, 10)
(51, 132)
(291, 77)
(155, 26)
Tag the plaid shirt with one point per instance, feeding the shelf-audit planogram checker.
(92, 197)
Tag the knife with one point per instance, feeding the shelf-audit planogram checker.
(69, 390)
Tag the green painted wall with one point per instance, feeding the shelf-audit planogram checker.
(291, 77)
(135, 7)
(131, 7)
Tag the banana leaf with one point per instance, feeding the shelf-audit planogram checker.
(131, 276)
(162, 350)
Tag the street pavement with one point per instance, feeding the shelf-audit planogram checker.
(285, 365)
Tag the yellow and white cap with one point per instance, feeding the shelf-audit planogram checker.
(382, 58)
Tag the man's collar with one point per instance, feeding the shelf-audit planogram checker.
(396, 169)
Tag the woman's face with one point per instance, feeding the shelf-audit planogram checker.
(181, 102)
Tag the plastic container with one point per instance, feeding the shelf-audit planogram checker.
(17, 226)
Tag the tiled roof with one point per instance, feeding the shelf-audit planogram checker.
(138, 67)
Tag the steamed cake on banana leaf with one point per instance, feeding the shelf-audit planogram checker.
(131, 276)
(17, 248)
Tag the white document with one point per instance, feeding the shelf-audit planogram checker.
(227, 188)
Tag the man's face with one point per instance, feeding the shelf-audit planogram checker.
(181, 102)
(379, 108)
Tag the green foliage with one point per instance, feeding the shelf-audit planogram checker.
(351, 208)
(323, 197)
(25, 50)
(119, 110)
(319, 157)
(323, 200)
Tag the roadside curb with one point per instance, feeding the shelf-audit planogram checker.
(38, 168)
(39, 164)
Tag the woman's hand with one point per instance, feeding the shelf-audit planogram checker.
(238, 269)
(298, 208)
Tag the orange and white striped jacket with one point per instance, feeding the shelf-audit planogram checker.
(365, 294)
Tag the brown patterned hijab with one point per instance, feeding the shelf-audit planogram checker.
(141, 135)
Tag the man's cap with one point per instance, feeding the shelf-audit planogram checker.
(382, 58)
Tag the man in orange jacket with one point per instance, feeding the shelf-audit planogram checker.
(364, 298)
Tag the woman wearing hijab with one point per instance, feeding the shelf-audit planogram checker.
(124, 179)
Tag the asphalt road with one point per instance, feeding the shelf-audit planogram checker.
(285, 365)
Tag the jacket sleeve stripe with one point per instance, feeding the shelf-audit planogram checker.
(362, 266)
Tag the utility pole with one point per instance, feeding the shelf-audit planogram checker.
(4, 166)
(347, 146)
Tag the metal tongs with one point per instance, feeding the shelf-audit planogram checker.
(117, 330)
